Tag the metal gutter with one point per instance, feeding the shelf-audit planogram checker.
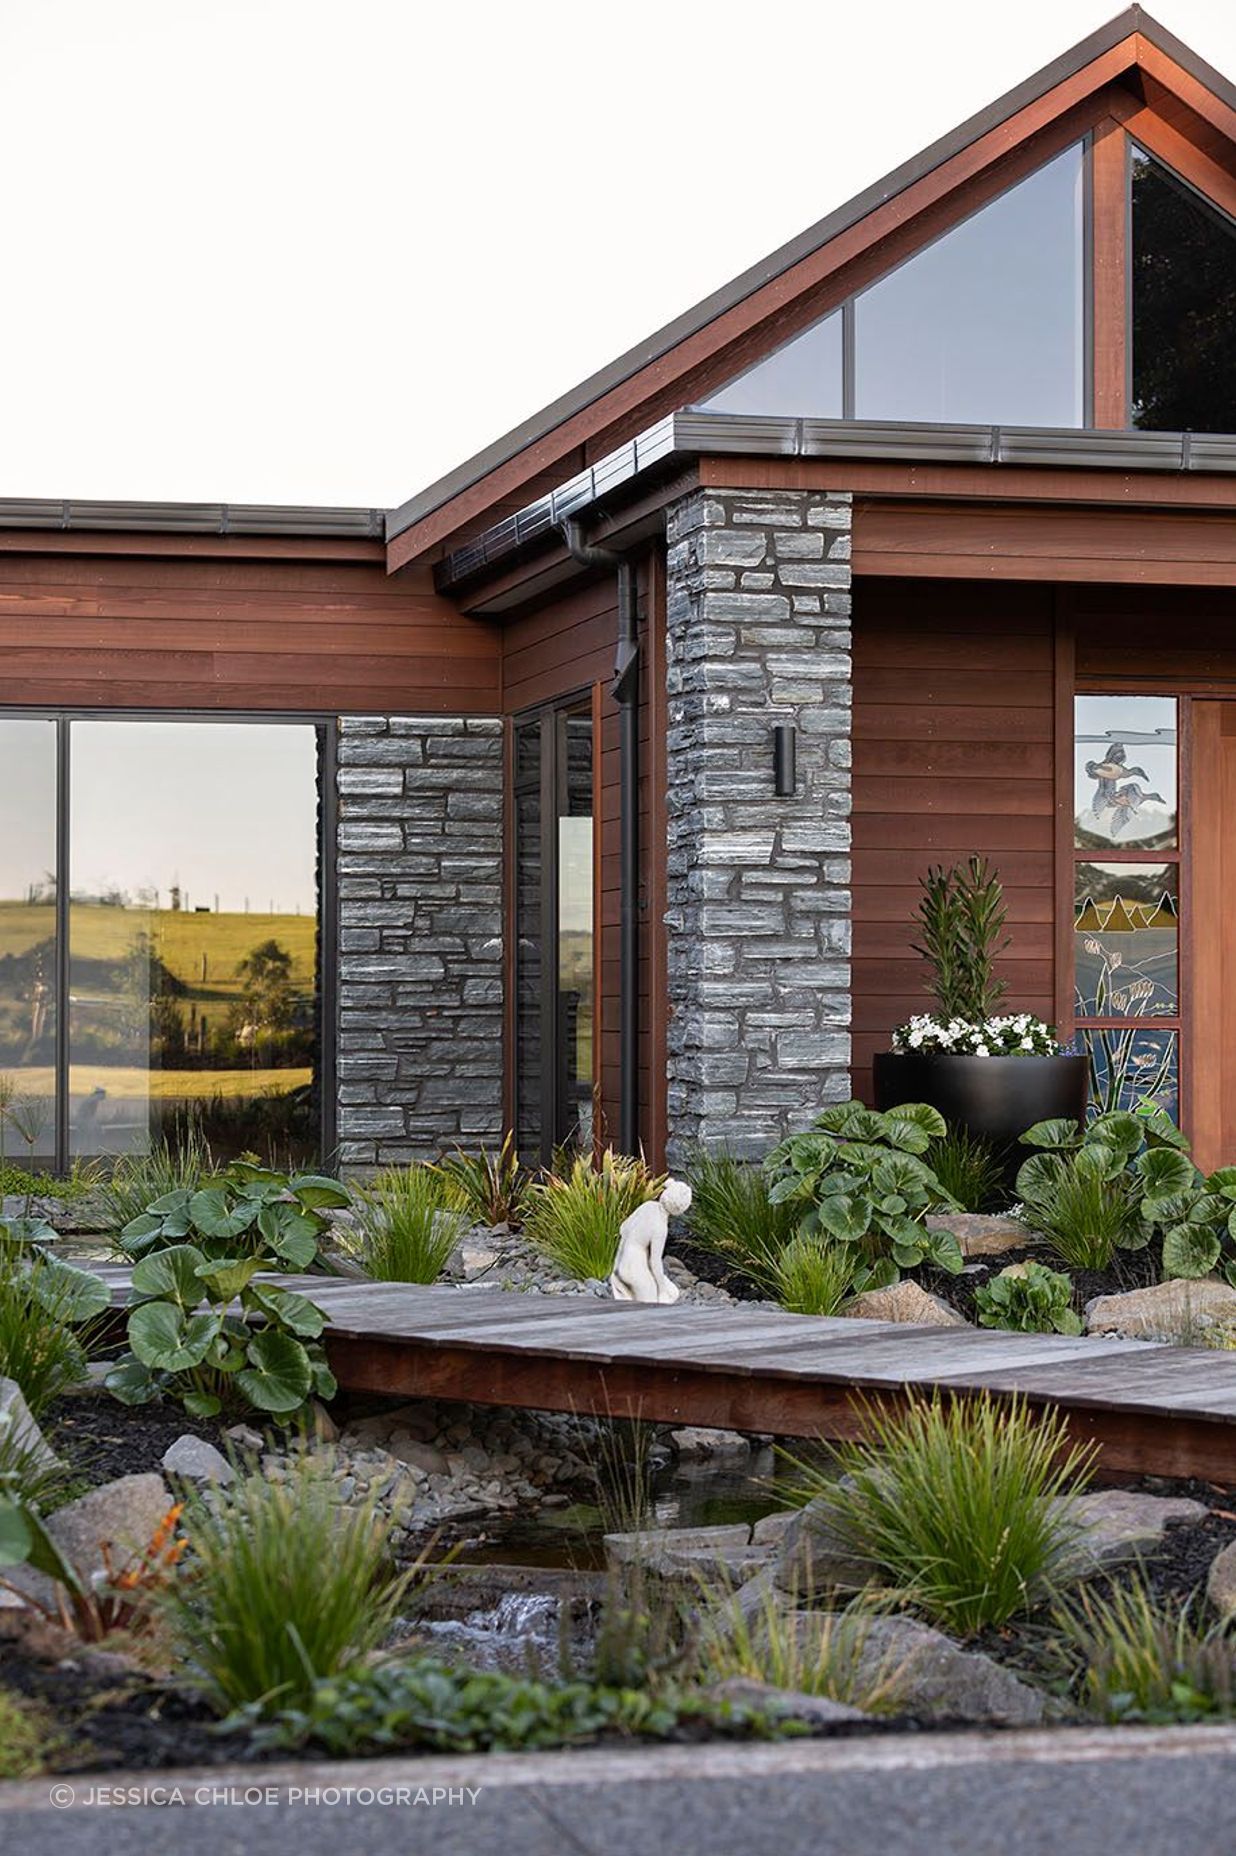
(697, 434)
(1132, 20)
(191, 518)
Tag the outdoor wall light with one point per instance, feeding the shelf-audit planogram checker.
(784, 772)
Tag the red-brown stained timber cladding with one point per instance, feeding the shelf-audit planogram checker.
(235, 629)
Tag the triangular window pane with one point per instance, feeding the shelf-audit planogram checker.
(986, 326)
(1184, 305)
(802, 380)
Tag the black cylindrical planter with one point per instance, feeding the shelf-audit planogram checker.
(995, 1098)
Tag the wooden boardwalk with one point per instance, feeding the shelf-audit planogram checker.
(1155, 1409)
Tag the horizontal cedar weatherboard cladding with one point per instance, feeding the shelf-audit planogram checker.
(953, 754)
(218, 632)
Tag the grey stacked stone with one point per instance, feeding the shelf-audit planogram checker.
(420, 935)
(758, 619)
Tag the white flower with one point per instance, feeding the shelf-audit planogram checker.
(981, 1050)
(1027, 1044)
(916, 1038)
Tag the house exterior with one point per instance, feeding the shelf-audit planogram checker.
(587, 793)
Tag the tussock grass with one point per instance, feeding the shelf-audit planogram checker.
(814, 1276)
(408, 1221)
(573, 1217)
(732, 1217)
(283, 1588)
(1143, 1660)
(953, 1503)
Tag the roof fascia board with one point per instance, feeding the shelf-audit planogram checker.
(1121, 34)
(687, 435)
(27, 513)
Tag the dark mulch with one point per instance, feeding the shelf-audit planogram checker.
(1131, 1269)
(709, 1267)
(101, 1439)
(106, 1718)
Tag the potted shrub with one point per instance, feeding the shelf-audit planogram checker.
(995, 1074)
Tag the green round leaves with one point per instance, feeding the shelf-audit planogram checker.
(171, 1275)
(279, 1375)
(167, 1340)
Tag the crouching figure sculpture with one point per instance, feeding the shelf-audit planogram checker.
(639, 1268)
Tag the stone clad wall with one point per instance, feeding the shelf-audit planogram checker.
(758, 619)
(420, 935)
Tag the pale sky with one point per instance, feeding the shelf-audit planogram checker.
(297, 251)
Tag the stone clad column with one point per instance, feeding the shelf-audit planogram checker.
(420, 936)
(758, 632)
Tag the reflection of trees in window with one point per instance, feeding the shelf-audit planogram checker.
(1184, 306)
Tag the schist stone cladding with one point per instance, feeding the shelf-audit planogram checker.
(758, 622)
(420, 935)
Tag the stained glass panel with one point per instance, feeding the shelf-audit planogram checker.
(1126, 922)
(1137, 1063)
(1124, 790)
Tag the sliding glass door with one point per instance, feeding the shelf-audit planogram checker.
(160, 961)
(555, 986)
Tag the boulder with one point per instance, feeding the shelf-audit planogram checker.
(1170, 1311)
(814, 1557)
(1221, 1582)
(770, 1529)
(926, 1674)
(17, 1423)
(425, 1457)
(818, 1710)
(1120, 1524)
(123, 1514)
(696, 1443)
(983, 1234)
(196, 1460)
(906, 1301)
(659, 1545)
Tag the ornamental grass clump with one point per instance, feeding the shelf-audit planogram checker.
(816, 1276)
(285, 1587)
(573, 1218)
(1141, 1658)
(733, 1217)
(969, 1170)
(408, 1221)
(956, 1504)
(828, 1653)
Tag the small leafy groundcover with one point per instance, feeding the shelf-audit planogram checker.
(207, 1325)
(1028, 1298)
(422, 1703)
(857, 1177)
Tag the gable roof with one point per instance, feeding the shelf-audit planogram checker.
(1125, 44)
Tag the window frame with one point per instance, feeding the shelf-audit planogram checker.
(548, 718)
(327, 728)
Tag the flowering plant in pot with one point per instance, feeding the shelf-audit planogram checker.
(993, 1073)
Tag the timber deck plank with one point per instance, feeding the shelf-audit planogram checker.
(1152, 1407)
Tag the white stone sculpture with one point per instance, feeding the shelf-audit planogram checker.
(639, 1268)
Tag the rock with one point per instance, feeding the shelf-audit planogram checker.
(931, 1677)
(814, 1557)
(197, 1460)
(1221, 1582)
(906, 1301)
(770, 1529)
(244, 1437)
(675, 1543)
(1170, 1311)
(695, 1443)
(18, 1423)
(983, 1234)
(1119, 1524)
(325, 1430)
(475, 1260)
(124, 1513)
(425, 1457)
(747, 1692)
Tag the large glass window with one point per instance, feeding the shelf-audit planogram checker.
(1127, 898)
(986, 326)
(187, 936)
(28, 963)
(555, 995)
(802, 380)
(1184, 305)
